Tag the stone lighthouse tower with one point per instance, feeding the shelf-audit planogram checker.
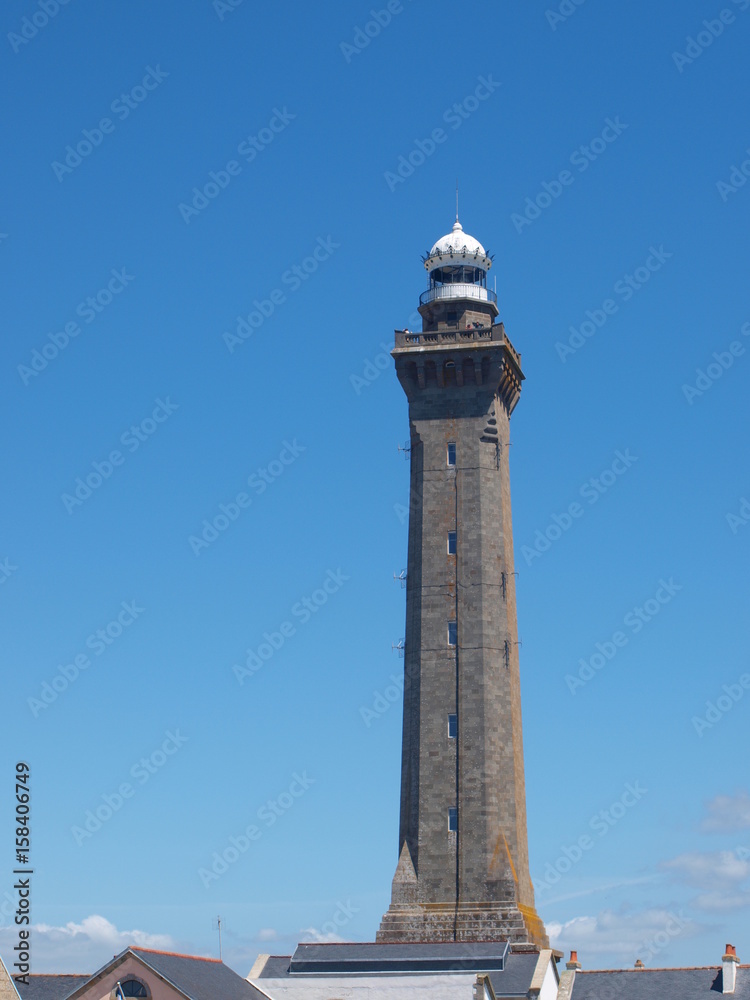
(463, 869)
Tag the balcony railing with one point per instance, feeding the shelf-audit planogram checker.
(446, 339)
(457, 291)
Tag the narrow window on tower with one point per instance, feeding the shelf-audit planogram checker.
(451, 453)
(452, 727)
(451, 543)
(452, 634)
(453, 820)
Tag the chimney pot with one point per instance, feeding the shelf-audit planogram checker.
(729, 962)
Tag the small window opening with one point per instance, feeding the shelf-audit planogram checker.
(452, 727)
(451, 543)
(451, 453)
(453, 820)
(452, 634)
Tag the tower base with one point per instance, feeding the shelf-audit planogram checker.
(440, 922)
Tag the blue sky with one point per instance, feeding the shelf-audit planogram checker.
(181, 346)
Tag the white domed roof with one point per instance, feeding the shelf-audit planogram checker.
(457, 241)
(455, 248)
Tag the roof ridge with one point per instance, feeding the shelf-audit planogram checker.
(174, 954)
(664, 968)
(388, 944)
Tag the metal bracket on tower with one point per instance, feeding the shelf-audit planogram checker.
(504, 583)
(400, 576)
(508, 644)
(406, 450)
(399, 646)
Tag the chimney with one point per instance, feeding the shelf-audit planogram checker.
(573, 963)
(729, 963)
(639, 964)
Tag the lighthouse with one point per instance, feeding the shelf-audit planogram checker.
(463, 867)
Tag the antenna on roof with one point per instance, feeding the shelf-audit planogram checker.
(218, 925)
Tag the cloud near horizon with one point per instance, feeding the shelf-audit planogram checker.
(727, 813)
(618, 938)
(83, 947)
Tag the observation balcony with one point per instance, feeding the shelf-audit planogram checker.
(459, 290)
(447, 340)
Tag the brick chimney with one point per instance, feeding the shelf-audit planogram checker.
(729, 963)
(573, 963)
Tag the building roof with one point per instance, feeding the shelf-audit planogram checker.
(275, 967)
(658, 984)
(395, 971)
(198, 978)
(49, 987)
(347, 959)
(457, 241)
(516, 977)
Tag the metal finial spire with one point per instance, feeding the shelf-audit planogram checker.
(457, 199)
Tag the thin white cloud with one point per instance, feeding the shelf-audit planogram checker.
(711, 870)
(727, 813)
(722, 901)
(616, 939)
(267, 934)
(82, 947)
(314, 936)
(599, 887)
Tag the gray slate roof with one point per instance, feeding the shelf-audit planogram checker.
(198, 978)
(276, 967)
(516, 978)
(49, 987)
(348, 959)
(658, 984)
